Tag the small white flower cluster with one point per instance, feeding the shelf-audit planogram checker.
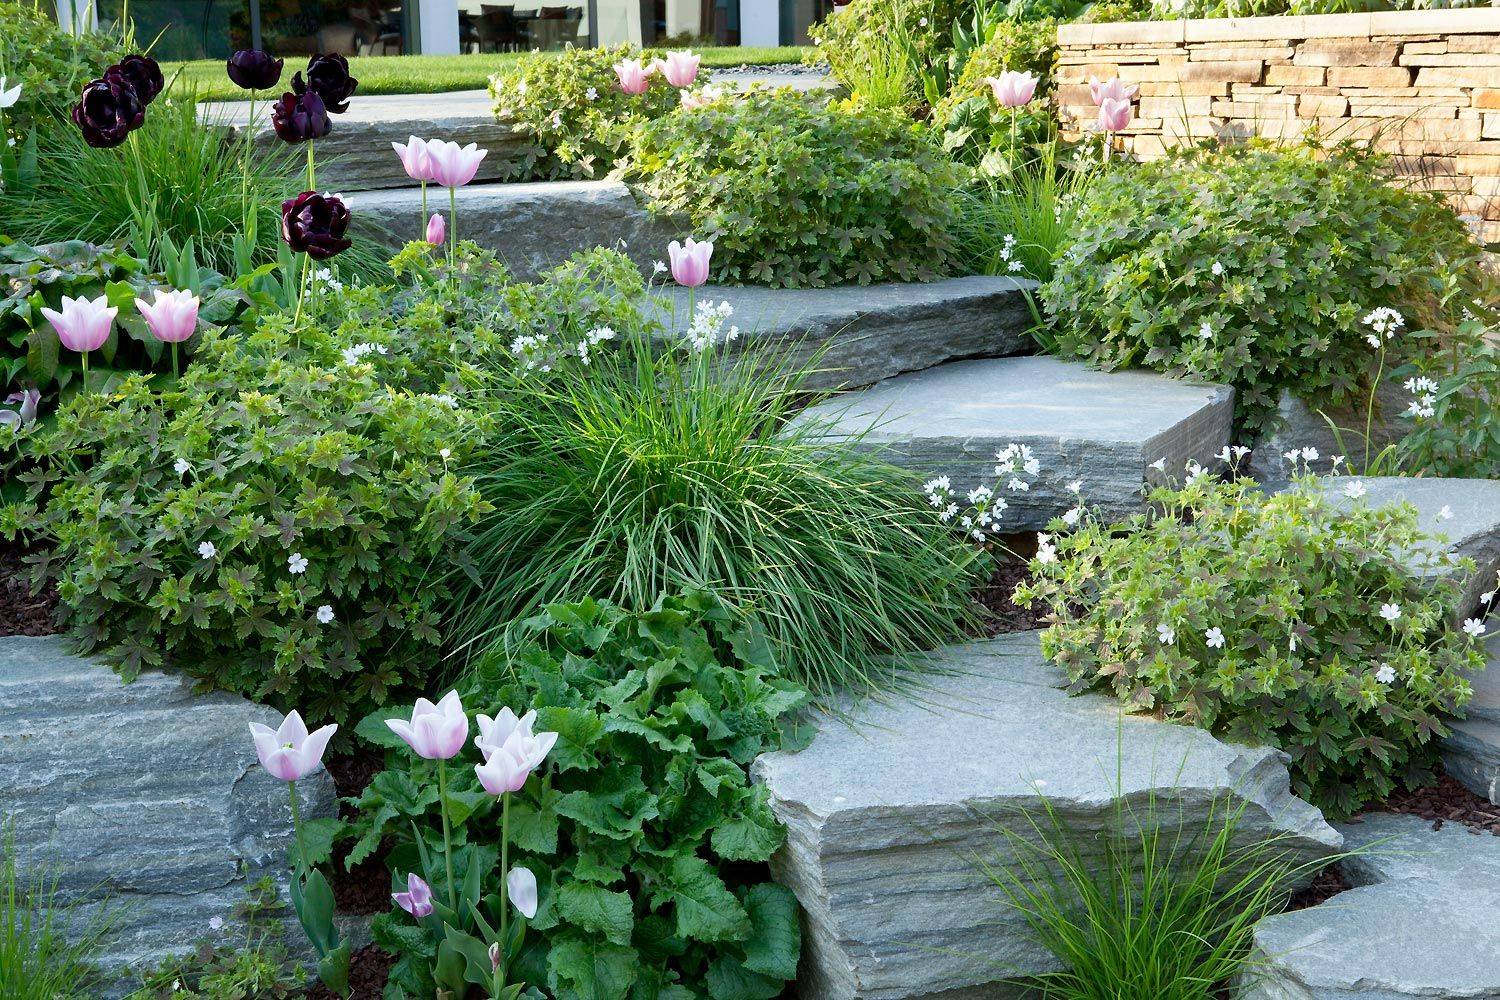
(1424, 391)
(593, 339)
(980, 514)
(533, 350)
(324, 276)
(353, 354)
(1383, 323)
(707, 328)
(443, 399)
(1233, 455)
(1007, 253)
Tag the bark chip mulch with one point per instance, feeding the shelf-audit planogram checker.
(21, 611)
(1446, 802)
(366, 887)
(1325, 885)
(368, 970)
(999, 613)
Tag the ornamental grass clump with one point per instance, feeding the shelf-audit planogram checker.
(796, 191)
(1254, 265)
(1288, 620)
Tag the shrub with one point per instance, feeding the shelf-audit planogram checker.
(1265, 618)
(645, 472)
(51, 65)
(978, 132)
(797, 192)
(891, 35)
(275, 523)
(647, 839)
(1254, 266)
(570, 107)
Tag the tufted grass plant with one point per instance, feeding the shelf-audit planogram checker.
(38, 961)
(647, 472)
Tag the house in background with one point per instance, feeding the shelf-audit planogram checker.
(198, 29)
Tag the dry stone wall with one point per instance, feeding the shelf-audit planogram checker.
(1421, 85)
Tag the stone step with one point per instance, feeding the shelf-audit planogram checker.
(1471, 750)
(1104, 428)
(145, 799)
(1472, 528)
(530, 226)
(866, 333)
(895, 802)
(1421, 922)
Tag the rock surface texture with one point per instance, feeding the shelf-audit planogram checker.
(1471, 750)
(890, 808)
(531, 227)
(145, 799)
(1302, 426)
(1421, 922)
(1472, 528)
(869, 332)
(1104, 428)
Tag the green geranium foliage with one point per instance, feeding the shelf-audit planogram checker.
(207, 524)
(799, 192)
(51, 65)
(1286, 620)
(977, 131)
(646, 836)
(1255, 266)
(569, 107)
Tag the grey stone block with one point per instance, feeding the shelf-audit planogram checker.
(145, 799)
(1473, 531)
(869, 332)
(1104, 428)
(1421, 922)
(1301, 426)
(892, 807)
(530, 226)
(1471, 750)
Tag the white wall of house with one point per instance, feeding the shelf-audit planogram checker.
(760, 22)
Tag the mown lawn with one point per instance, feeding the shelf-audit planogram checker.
(434, 74)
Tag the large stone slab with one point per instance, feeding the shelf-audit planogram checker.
(1422, 921)
(1471, 530)
(1104, 428)
(892, 805)
(1471, 750)
(530, 226)
(870, 332)
(1300, 425)
(145, 799)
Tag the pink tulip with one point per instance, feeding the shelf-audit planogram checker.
(690, 261)
(417, 899)
(502, 773)
(522, 885)
(289, 752)
(1012, 89)
(679, 68)
(495, 956)
(1114, 115)
(25, 413)
(83, 325)
(1113, 89)
(173, 317)
(437, 229)
(453, 165)
(435, 732)
(634, 77)
(414, 158)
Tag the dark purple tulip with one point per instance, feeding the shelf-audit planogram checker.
(314, 224)
(107, 111)
(328, 76)
(300, 118)
(142, 73)
(252, 69)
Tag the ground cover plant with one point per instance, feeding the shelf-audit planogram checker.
(1285, 620)
(1260, 267)
(50, 65)
(644, 842)
(796, 191)
(644, 471)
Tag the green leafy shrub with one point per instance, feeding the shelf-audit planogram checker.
(275, 523)
(570, 108)
(1286, 620)
(1255, 266)
(897, 35)
(795, 191)
(36, 276)
(51, 65)
(980, 133)
(647, 839)
(645, 472)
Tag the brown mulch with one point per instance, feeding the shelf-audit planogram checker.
(1446, 802)
(368, 970)
(365, 888)
(1325, 885)
(1000, 614)
(21, 611)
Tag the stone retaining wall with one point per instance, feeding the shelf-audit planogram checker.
(1423, 85)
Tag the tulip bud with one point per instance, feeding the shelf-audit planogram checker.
(437, 230)
(690, 261)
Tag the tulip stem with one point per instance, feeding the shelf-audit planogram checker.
(85, 371)
(1014, 153)
(452, 227)
(504, 889)
(447, 837)
(422, 223)
(291, 787)
(175, 373)
(312, 183)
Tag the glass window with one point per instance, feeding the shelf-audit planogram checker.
(522, 25)
(214, 29)
(669, 22)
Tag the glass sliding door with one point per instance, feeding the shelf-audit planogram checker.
(668, 22)
(522, 25)
(214, 29)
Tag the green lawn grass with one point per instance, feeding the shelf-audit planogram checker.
(435, 74)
